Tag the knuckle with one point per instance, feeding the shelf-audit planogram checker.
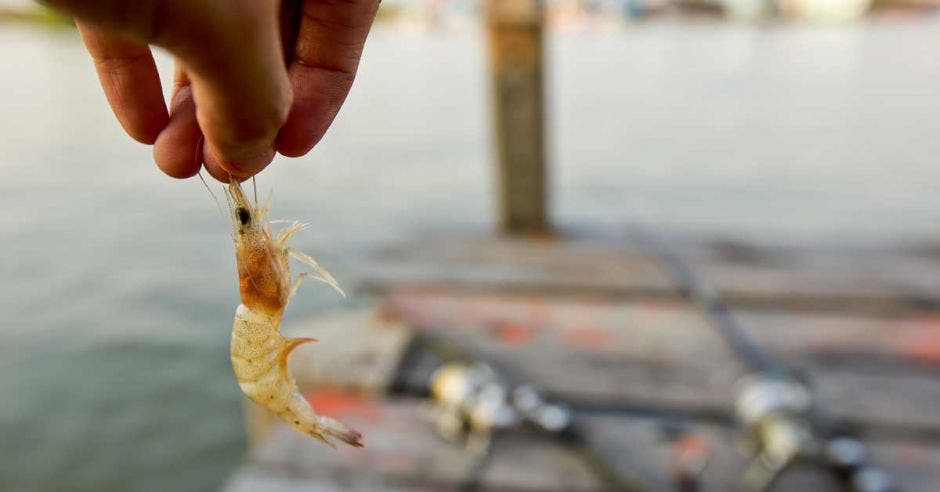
(147, 19)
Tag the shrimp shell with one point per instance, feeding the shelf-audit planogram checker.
(259, 351)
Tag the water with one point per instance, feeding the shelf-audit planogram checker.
(119, 286)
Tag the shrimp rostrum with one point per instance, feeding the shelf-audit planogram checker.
(259, 351)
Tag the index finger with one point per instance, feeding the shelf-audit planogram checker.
(130, 81)
(326, 56)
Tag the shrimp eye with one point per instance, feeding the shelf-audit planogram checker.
(243, 215)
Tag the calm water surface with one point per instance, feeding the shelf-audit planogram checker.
(118, 284)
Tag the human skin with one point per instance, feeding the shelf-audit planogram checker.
(234, 102)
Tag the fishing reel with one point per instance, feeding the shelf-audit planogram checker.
(472, 401)
(776, 415)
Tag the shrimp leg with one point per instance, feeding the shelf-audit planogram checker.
(304, 276)
(320, 271)
(285, 234)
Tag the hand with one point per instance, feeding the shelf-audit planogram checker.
(234, 103)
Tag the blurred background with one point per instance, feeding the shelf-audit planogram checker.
(796, 123)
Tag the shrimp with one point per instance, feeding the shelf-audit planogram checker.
(259, 352)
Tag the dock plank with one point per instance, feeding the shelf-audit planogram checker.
(550, 266)
(403, 454)
(403, 450)
(251, 479)
(600, 323)
(873, 279)
(658, 453)
(665, 355)
(876, 279)
(356, 350)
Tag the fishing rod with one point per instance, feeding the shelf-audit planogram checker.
(783, 427)
(783, 424)
(478, 406)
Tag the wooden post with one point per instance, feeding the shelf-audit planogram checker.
(516, 58)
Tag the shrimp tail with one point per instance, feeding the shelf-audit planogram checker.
(259, 359)
(339, 430)
(329, 427)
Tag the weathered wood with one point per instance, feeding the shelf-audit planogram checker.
(400, 447)
(657, 452)
(664, 355)
(874, 280)
(547, 266)
(601, 324)
(524, 461)
(869, 372)
(516, 58)
(402, 450)
(356, 350)
(254, 479)
(403, 454)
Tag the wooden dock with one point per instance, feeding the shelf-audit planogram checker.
(600, 323)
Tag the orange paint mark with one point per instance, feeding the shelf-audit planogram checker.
(922, 344)
(343, 403)
(589, 338)
(514, 333)
(692, 446)
(690, 453)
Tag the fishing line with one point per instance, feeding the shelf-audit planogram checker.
(716, 311)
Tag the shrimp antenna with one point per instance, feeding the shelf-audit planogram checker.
(254, 186)
(231, 210)
(214, 198)
(228, 203)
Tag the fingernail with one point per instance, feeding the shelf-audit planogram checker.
(218, 173)
(243, 167)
